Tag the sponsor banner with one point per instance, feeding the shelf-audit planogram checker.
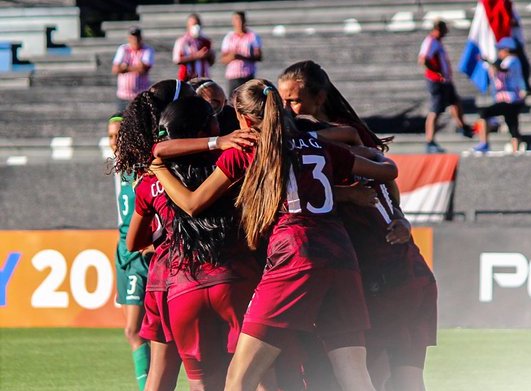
(67, 278)
(58, 279)
(426, 184)
(483, 274)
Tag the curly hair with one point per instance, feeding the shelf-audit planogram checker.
(139, 129)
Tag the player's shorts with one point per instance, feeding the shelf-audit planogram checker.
(156, 322)
(403, 322)
(442, 95)
(206, 324)
(131, 278)
(327, 301)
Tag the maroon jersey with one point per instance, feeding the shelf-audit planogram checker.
(379, 260)
(238, 261)
(151, 201)
(307, 233)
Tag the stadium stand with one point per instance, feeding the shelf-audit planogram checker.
(369, 48)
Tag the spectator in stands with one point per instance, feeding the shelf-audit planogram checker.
(508, 90)
(240, 50)
(193, 52)
(212, 92)
(438, 74)
(132, 63)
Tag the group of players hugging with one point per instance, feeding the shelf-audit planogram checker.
(262, 242)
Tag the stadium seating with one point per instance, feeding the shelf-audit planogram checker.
(369, 48)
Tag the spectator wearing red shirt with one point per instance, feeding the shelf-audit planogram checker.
(193, 51)
(438, 73)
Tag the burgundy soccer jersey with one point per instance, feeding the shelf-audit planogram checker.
(367, 228)
(307, 233)
(151, 201)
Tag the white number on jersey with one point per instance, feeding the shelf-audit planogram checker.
(294, 205)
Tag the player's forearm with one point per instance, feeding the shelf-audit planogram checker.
(180, 147)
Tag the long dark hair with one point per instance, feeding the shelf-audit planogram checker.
(139, 128)
(195, 240)
(265, 181)
(314, 79)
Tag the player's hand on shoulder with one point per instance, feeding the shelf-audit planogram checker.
(399, 231)
(239, 139)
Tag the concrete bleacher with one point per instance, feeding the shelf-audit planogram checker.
(375, 68)
(58, 113)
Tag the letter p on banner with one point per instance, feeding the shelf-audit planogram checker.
(513, 279)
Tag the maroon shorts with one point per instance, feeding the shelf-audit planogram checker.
(156, 325)
(327, 301)
(206, 324)
(404, 322)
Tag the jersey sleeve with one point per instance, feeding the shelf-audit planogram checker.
(257, 41)
(143, 198)
(177, 49)
(148, 57)
(342, 162)
(225, 44)
(427, 49)
(119, 56)
(233, 163)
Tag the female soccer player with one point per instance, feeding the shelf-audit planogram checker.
(403, 309)
(213, 273)
(211, 91)
(136, 140)
(131, 267)
(311, 269)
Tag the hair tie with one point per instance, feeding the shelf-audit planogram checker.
(206, 84)
(116, 118)
(267, 90)
(177, 90)
(162, 132)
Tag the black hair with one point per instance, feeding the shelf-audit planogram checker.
(201, 239)
(139, 128)
(178, 121)
(242, 16)
(336, 107)
(196, 17)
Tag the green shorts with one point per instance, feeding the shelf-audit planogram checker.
(131, 276)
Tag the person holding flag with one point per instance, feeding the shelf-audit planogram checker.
(508, 90)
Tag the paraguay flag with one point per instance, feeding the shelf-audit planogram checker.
(492, 22)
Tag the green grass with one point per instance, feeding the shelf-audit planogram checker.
(99, 359)
(474, 360)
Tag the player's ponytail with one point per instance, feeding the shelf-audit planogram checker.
(266, 179)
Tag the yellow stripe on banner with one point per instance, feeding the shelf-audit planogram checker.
(423, 237)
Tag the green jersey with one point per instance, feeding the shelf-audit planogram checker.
(125, 202)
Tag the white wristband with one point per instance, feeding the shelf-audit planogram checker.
(212, 143)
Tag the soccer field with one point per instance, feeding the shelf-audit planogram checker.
(99, 359)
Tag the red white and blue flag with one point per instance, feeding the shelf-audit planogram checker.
(492, 22)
